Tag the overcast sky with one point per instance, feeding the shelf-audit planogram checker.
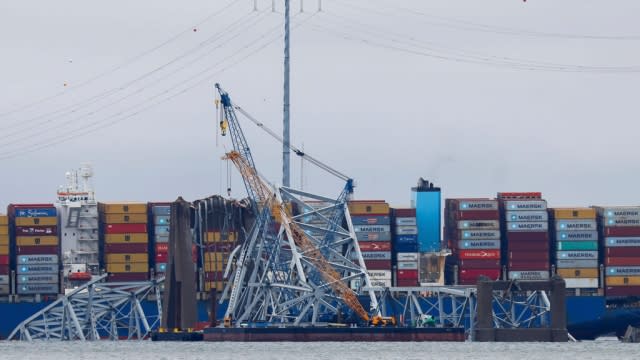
(478, 97)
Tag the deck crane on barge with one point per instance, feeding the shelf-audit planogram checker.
(298, 274)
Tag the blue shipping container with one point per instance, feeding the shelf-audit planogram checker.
(405, 247)
(36, 212)
(405, 239)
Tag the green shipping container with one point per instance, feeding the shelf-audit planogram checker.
(577, 245)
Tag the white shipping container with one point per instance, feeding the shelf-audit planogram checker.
(529, 205)
(381, 283)
(480, 235)
(38, 269)
(527, 226)
(479, 224)
(38, 279)
(622, 222)
(406, 221)
(583, 225)
(478, 205)
(407, 265)
(479, 244)
(528, 275)
(372, 228)
(38, 289)
(379, 274)
(526, 216)
(4, 279)
(37, 259)
(622, 271)
(581, 283)
(619, 212)
(577, 255)
(406, 230)
(622, 241)
(407, 256)
(5, 289)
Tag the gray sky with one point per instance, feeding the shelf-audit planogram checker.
(479, 97)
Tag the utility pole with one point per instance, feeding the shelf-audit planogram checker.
(285, 131)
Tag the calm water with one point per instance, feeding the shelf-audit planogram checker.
(601, 349)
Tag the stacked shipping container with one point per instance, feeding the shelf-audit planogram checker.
(525, 229)
(5, 283)
(405, 247)
(37, 248)
(472, 230)
(125, 241)
(620, 230)
(372, 224)
(159, 217)
(575, 237)
(219, 245)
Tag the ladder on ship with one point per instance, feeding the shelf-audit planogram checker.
(96, 310)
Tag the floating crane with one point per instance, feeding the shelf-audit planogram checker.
(297, 274)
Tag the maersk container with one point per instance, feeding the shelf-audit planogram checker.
(528, 275)
(577, 255)
(480, 235)
(38, 279)
(379, 274)
(474, 205)
(371, 220)
(30, 289)
(582, 225)
(577, 235)
(361, 236)
(38, 269)
(527, 226)
(622, 222)
(479, 244)
(528, 205)
(621, 212)
(376, 255)
(403, 256)
(622, 271)
(161, 267)
(407, 265)
(407, 230)
(581, 283)
(161, 210)
(573, 263)
(37, 259)
(4, 279)
(381, 283)
(537, 216)
(36, 212)
(406, 221)
(479, 225)
(162, 229)
(622, 241)
(161, 238)
(372, 228)
(577, 245)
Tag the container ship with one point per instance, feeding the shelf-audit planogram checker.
(47, 249)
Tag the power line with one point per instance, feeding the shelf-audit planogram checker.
(122, 65)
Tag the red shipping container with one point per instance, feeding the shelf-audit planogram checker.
(162, 248)
(4, 269)
(214, 276)
(36, 230)
(623, 252)
(474, 274)
(479, 264)
(125, 248)
(407, 274)
(529, 256)
(479, 254)
(125, 228)
(162, 257)
(4, 259)
(375, 245)
(519, 195)
(476, 215)
(378, 264)
(622, 291)
(621, 231)
(126, 277)
(404, 212)
(528, 266)
(525, 245)
(528, 236)
(622, 261)
(37, 250)
(407, 282)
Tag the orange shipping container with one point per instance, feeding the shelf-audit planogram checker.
(217, 236)
(579, 273)
(37, 240)
(126, 238)
(4, 230)
(128, 268)
(125, 218)
(39, 221)
(123, 208)
(4, 239)
(127, 258)
(4, 220)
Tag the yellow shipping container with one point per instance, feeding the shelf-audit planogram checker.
(127, 258)
(4, 239)
(141, 267)
(574, 213)
(126, 238)
(123, 208)
(622, 280)
(48, 221)
(218, 285)
(210, 266)
(217, 236)
(37, 240)
(366, 207)
(4, 250)
(216, 256)
(125, 218)
(4, 220)
(579, 273)
(4, 230)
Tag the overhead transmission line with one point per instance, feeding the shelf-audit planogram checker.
(122, 65)
(138, 109)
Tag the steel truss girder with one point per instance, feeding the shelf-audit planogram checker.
(93, 311)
